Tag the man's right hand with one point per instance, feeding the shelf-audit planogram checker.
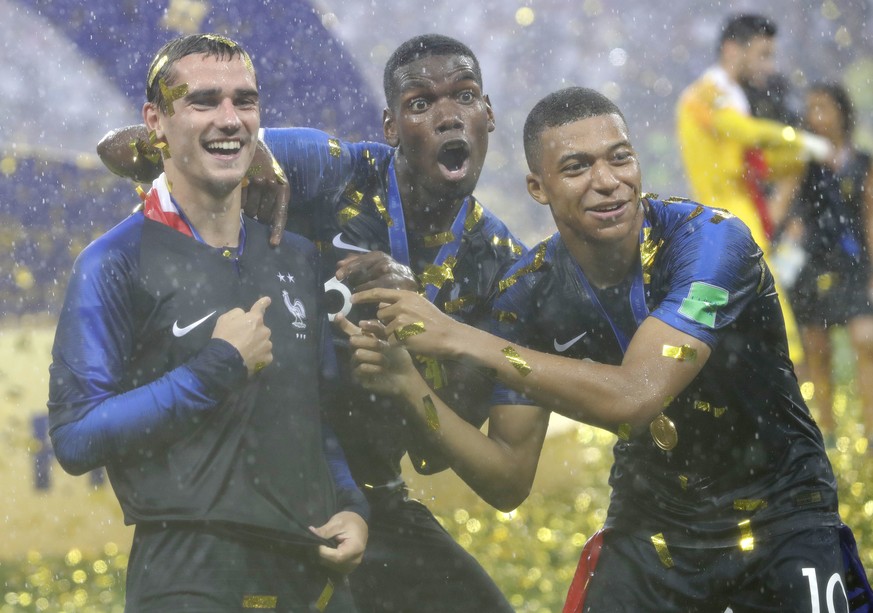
(267, 192)
(246, 331)
(375, 269)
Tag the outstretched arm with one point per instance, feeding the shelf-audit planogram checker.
(608, 396)
(500, 467)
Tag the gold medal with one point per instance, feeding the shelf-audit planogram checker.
(664, 432)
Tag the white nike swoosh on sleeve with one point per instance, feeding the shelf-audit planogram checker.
(562, 347)
(180, 332)
(339, 243)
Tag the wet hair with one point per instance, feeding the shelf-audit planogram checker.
(211, 45)
(743, 28)
(420, 47)
(841, 98)
(560, 108)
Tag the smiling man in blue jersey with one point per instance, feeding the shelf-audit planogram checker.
(187, 361)
(400, 215)
(655, 319)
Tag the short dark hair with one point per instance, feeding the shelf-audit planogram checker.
(212, 45)
(560, 108)
(841, 98)
(744, 27)
(420, 47)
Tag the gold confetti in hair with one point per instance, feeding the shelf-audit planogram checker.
(156, 66)
(171, 94)
(247, 60)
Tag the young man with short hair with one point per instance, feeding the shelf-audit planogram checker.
(187, 361)
(655, 319)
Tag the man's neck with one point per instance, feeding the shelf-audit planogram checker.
(605, 264)
(424, 212)
(216, 218)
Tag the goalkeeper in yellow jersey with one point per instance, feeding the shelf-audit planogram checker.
(728, 154)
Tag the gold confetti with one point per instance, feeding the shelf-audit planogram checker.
(334, 147)
(473, 216)
(506, 242)
(505, 316)
(354, 195)
(453, 306)
(624, 432)
(409, 330)
(749, 504)
(675, 200)
(694, 213)
(347, 214)
(257, 601)
(648, 250)
(438, 275)
(683, 482)
(747, 539)
(326, 595)
(430, 413)
(661, 547)
(278, 172)
(434, 373)
(539, 258)
(171, 94)
(157, 64)
(516, 360)
(685, 353)
(439, 239)
(383, 211)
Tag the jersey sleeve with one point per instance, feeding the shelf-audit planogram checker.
(509, 321)
(317, 165)
(713, 271)
(93, 418)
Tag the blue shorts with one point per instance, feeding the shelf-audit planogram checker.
(193, 570)
(800, 571)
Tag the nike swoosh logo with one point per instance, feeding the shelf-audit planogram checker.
(339, 243)
(180, 332)
(562, 347)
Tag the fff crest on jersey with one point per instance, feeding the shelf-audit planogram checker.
(296, 308)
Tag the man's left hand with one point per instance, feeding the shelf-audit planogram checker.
(350, 532)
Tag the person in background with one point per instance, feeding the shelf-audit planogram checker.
(832, 217)
(188, 359)
(727, 153)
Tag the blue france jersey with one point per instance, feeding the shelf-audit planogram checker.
(748, 448)
(340, 190)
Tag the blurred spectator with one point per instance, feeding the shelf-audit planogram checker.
(834, 206)
(727, 152)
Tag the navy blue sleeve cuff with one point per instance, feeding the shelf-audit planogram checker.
(220, 367)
